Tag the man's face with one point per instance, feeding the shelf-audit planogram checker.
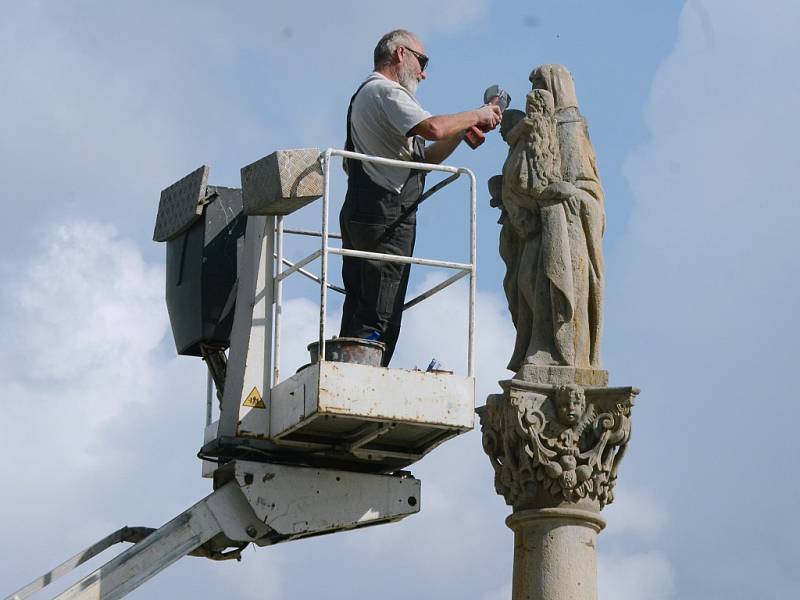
(410, 73)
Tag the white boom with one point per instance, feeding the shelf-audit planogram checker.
(261, 503)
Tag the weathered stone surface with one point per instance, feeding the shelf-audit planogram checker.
(556, 445)
(553, 221)
(282, 182)
(562, 375)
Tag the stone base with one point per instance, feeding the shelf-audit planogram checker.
(562, 375)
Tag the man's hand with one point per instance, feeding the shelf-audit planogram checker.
(488, 116)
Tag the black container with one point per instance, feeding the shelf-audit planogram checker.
(202, 268)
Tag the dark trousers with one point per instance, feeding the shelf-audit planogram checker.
(376, 220)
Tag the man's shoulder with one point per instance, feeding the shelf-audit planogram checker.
(386, 102)
(378, 86)
(383, 94)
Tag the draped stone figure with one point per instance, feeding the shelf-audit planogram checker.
(553, 222)
(557, 432)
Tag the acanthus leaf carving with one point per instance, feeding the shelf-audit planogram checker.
(556, 444)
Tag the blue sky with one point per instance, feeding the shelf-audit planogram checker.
(691, 107)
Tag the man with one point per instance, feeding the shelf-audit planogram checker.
(379, 213)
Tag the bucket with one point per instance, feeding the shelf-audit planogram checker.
(350, 350)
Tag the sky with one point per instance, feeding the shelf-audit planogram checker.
(691, 108)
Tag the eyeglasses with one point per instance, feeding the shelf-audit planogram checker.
(421, 58)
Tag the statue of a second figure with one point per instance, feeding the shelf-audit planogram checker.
(553, 222)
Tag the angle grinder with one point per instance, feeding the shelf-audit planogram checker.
(494, 94)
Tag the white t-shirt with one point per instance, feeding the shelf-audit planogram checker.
(383, 114)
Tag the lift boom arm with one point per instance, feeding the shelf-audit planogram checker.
(260, 503)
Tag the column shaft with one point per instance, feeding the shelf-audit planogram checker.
(555, 556)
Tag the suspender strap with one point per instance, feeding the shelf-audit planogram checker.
(348, 144)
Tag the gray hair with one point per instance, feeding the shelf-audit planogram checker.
(389, 43)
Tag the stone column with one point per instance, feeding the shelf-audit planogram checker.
(555, 438)
(554, 553)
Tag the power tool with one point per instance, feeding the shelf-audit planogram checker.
(494, 94)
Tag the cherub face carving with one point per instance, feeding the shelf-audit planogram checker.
(570, 404)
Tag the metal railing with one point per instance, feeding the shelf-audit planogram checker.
(463, 269)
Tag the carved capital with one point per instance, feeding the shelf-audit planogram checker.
(555, 445)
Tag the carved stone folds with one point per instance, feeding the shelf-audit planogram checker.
(556, 445)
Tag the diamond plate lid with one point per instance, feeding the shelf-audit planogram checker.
(180, 205)
(282, 182)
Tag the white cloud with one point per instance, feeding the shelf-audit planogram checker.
(635, 513)
(631, 566)
(262, 576)
(81, 380)
(299, 328)
(89, 297)
(640, 576)
(87, 315)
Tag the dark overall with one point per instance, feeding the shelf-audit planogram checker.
(374, 219)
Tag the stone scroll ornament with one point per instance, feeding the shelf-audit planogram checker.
(551, 445)
(553, 220)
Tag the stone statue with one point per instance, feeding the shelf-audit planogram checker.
(557, 433)
(553, 222)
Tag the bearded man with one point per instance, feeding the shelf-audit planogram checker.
(379, 212)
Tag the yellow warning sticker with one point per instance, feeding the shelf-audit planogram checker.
(254, 400)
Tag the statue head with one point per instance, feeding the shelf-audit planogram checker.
(511, 117)
(496, 191)
(557, 80)
(570, 404)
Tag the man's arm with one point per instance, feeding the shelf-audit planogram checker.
(437, 152)
(445, 127)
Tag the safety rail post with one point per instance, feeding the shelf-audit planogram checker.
(268, 257)
(323, 270)
(473, 259)
(278, 299)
